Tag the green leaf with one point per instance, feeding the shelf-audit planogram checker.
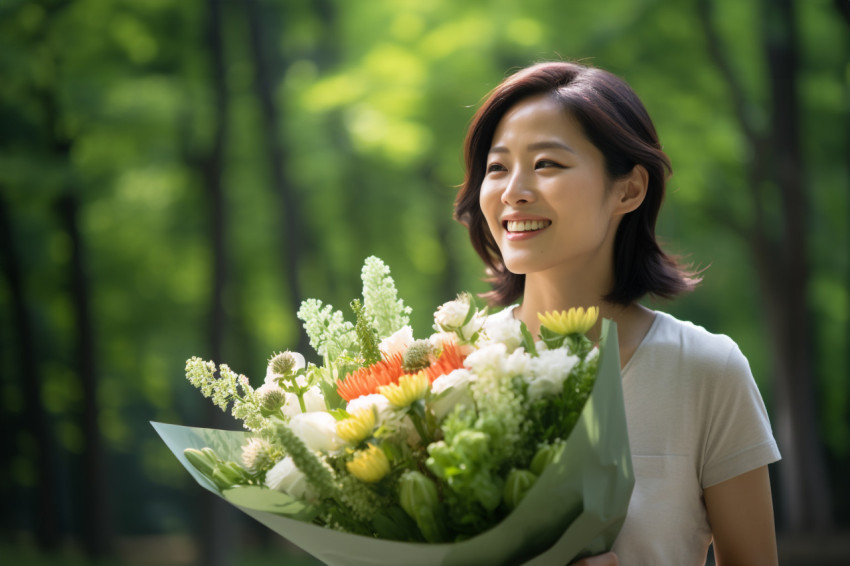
(339, 414)
(528, 340)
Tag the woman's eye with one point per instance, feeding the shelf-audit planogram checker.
(543, 163)
(494, 167)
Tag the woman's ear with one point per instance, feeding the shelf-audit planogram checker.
(631, 189)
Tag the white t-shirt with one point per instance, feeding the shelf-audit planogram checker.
(695, 419)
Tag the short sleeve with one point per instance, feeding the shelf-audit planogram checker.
(738, 437)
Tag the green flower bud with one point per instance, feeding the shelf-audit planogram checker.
(418, 356)
(544, 456)
(221, 479)
(516, 486)
(200, 461)
(419, 499)
(271, 398)
(284, 363)
(210, 454)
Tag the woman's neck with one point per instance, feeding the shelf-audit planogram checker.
(545, 292)
(542, 294)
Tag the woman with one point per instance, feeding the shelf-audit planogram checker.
(564, 180)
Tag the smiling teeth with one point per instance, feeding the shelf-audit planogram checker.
(527, 225)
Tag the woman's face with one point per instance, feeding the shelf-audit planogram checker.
(546, 197)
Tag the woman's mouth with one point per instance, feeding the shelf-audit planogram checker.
(519, 226)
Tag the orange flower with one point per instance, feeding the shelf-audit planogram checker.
(450, 360)
(366, 381)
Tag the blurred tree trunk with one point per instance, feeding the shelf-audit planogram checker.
(449, 283)
(782, 264)
(34, 416)
(95, 516)
(97, 534)
(289, 221)
(217, 520)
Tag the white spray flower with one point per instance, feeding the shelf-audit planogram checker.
(548, 372)
(489, 359)
(504, 329)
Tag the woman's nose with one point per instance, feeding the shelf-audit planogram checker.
(519, 190)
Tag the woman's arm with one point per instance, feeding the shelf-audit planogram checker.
(740, 512)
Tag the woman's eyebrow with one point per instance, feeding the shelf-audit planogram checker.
(550, 145)
(535, 146)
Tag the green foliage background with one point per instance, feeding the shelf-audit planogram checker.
(373, 99)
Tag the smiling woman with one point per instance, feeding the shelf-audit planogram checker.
(604, 120)
(564, 181)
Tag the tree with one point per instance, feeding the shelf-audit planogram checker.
(781, 259)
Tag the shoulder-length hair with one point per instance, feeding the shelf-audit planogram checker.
(616, 122)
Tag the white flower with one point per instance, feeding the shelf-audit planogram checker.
(313, 401)
(286, 477)
(548, 372)
(518, 363)
(451, 315)
(441, 339)
(396, 343)
(380, 297)
(317, 430)
(487, 359)
(450, 391)
(504, 329)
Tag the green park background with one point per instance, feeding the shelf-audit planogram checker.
(176, 176)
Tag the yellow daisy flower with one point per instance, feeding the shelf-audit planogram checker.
(574, 321)
(369, 465)
(357, 427)
(410, 388)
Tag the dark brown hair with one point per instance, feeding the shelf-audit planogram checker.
(616, 122)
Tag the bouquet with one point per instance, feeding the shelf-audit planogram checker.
(476, 445)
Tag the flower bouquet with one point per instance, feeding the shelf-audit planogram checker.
(477, 445)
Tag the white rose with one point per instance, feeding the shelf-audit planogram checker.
(397, 343)
(317, 430)
(450, 391)
(548, 372)
(286, 477)
(450, 317)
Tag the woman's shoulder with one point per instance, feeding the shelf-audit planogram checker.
(690, 344)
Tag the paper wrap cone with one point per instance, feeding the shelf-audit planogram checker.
(575, 508)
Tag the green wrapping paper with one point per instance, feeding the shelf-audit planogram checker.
(575, 508)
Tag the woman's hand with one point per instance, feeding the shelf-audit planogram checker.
(607, 559)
